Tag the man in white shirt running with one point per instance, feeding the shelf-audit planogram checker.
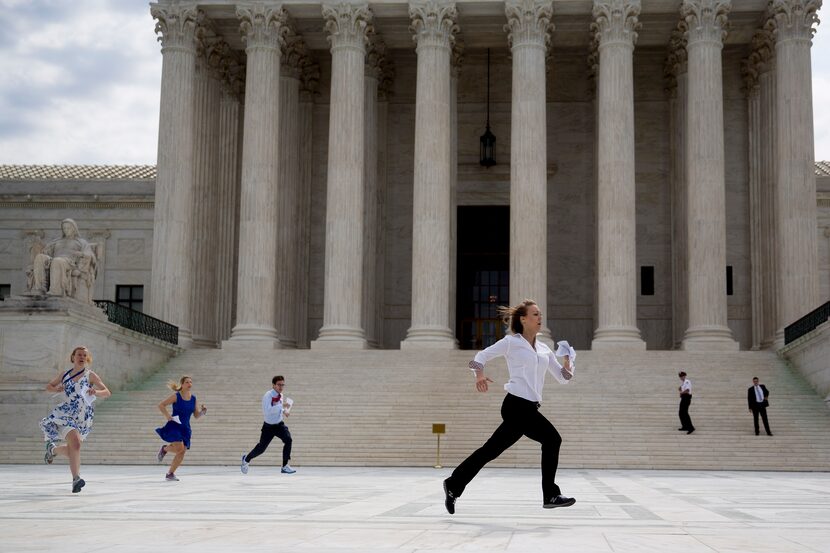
(275, 406)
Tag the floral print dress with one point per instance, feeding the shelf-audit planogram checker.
(72, 414)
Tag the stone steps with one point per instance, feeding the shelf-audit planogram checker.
(376, 408)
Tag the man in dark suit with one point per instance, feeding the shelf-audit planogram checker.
(757, 396)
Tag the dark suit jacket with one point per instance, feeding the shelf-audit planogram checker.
(750, 397)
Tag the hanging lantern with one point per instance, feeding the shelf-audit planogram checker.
(487, 151)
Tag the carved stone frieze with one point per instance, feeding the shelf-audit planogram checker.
(434, 23)
(176, 25)
(793, 19)
(348, 25)
(528, 22)
(262, 25)
(706, 20)
(616, 21)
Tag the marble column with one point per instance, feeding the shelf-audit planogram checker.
(228, 217)
(706, 29)
(205, 206)
(753, 105)
(434, 25)
(172, 231)
(615, 25)
(798, 286)
(347, 25)
(287, 273)
(455, 72)
(676, 73)
(309, 78)
(374, 60)
(760, 85)
(529, 27)
(262, 29)
(769, 172)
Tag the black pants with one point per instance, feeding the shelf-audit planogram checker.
(763, 412)
(269, 432)
(520, 418)
(685, 419)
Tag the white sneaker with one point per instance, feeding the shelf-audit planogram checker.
(287, 470)
(243, 466)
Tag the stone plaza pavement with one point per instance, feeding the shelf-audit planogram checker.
(213, 509)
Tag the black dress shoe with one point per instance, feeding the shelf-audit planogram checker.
(449, 499)
(690, 431)
(769, 433)
(559, 501)
(681, 429)
(757, 433)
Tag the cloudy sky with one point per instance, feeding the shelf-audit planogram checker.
(79, 83)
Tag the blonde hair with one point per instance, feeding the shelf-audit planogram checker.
(88, 361)
(177, 387)
(512, 316)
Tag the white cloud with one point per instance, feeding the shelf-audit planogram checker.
(81, 85)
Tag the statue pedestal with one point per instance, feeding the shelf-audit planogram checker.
(37, 335)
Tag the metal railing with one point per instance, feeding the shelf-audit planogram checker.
(138, 321)
(807, 323)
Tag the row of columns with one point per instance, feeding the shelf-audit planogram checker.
(269, 231)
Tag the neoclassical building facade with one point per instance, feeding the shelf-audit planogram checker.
(318, 171)
(319, 180)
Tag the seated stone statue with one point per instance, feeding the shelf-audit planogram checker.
(66, 266)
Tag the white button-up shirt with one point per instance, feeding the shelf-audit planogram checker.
(272, 412)
(527, 366)
(759, 394)
(687, 385)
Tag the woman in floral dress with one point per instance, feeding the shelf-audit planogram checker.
(71, 421)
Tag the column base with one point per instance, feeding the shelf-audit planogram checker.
(185, 339)
(709, 338)
(252, 336)
(202, 342)
(429, 338)
(340, 337)
(618, 337)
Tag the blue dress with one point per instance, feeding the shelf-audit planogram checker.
(173, 431)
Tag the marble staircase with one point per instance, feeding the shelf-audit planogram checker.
(376, 408)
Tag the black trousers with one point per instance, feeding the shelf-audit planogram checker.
(763, 413)
(520, 418)
(685, 419)
(268, 433)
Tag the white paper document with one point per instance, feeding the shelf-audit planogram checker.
(563, 349)
(88, 398)
(176, 419)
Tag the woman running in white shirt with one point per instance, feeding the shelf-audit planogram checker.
(528, 360)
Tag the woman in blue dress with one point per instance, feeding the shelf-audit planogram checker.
(71, 421)
(177, 430)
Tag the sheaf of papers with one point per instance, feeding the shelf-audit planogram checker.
(563, 349)
(88, 398)
(176, 419)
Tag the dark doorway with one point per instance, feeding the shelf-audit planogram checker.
(483, 273)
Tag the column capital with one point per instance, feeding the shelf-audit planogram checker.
(375, 57)
(310, 81)
(616, 22)
(176, 23)
(793, 19)
(706, 20)
(528, 22)
(456, 58)
(262, 25)
(433, 23)
(348, 25)
(294, 57)
(760, 60)
(676, 59)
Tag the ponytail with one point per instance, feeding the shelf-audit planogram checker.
(512, 316)
(177, 387)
